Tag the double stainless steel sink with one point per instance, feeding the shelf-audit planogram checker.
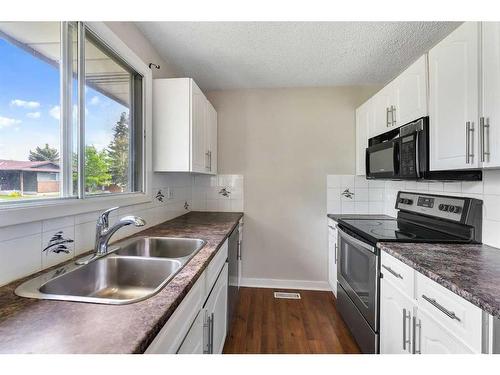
(134, 270)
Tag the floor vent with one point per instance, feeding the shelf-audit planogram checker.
(284, 295)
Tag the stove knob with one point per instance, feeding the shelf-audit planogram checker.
(451, 208)
(401, 200)
(441, 207)
(409, 201)
(457, 209)
(445, 207)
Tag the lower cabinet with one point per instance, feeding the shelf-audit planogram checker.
(332, 255)
(216, 315)
(198, 325)
(419, 316)
(395, 308)
(432, 338)
(193, 342)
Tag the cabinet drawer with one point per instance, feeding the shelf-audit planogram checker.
(213, 269)
(450, 310)
(398, 273)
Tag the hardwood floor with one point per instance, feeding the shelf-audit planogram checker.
(263, 324)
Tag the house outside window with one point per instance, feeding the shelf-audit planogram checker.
(71, 115)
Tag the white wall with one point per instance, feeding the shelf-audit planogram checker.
(284, 142)
(369, 201)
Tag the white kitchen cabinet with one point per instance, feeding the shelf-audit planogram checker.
(216, 314)
(489, 127)
(211, 138)
(201, 317)
(453, 100)
(332, 255)
(410, 93)
(193, 342)
(431, 337)
(184, 128)
(396, 313)
(383, 102)
(440, 322)
(364, 122)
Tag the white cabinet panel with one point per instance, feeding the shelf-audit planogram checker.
(198, 141)
(453, 100)
(184, 128)
(490, 110)
(410, 91)
(193, 342)
(396, 312)
(433, 338)
(364, 121)
(332, 255)
(382, 102)
(216, 309)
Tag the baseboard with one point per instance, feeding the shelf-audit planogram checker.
(284, 284)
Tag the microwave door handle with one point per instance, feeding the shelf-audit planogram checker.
(395, 158)
(417, 154)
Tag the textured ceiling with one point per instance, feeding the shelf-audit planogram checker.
(231, 55)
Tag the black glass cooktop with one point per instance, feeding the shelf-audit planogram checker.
(396, 231)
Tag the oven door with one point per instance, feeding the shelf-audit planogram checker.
(358, 274)
(382, 160)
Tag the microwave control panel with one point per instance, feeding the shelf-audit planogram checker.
(450, 208)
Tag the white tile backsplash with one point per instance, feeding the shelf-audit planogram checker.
(382, 197)
(207, 193)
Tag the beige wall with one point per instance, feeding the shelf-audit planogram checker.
(285, 142)
(136, 41)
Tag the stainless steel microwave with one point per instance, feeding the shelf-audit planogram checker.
(403, 154)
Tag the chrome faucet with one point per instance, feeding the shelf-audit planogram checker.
(103, 232)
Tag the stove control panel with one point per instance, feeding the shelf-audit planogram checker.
(450, 208)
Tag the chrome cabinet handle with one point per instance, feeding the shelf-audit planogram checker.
(467, 142)
(441, 308)
(335, 256)
(415, 326)
(398, 275)
(406, 341)
(469, 134)
(393, 115)
(239, 250)
(206, 326)
(211, 333)
(210, 160)
(484, 123)
(387, 117)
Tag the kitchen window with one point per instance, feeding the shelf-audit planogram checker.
(71, 115)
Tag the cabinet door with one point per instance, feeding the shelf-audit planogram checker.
(382, 101)
(193, 342)
(432, 338)
(410, 90)
(364, 120)
(216, 309)
(396, 311)
(198, 131)
(211, 138)
(332, 257)
(490, 135)
(453, 100)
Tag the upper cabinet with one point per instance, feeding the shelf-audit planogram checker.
(410, 93)
(364, 122)
(453, 100)
(489, 122)
(184, 127)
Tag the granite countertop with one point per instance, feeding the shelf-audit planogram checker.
(44, 326)
(337, 217)
(470, 270)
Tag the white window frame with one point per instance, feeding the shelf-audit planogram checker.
(35, 210)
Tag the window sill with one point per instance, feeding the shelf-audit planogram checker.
(36, 211)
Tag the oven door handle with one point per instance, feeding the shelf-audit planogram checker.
(360, 243)
(396, 157)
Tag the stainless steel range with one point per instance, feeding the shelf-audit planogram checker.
(421, 218)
